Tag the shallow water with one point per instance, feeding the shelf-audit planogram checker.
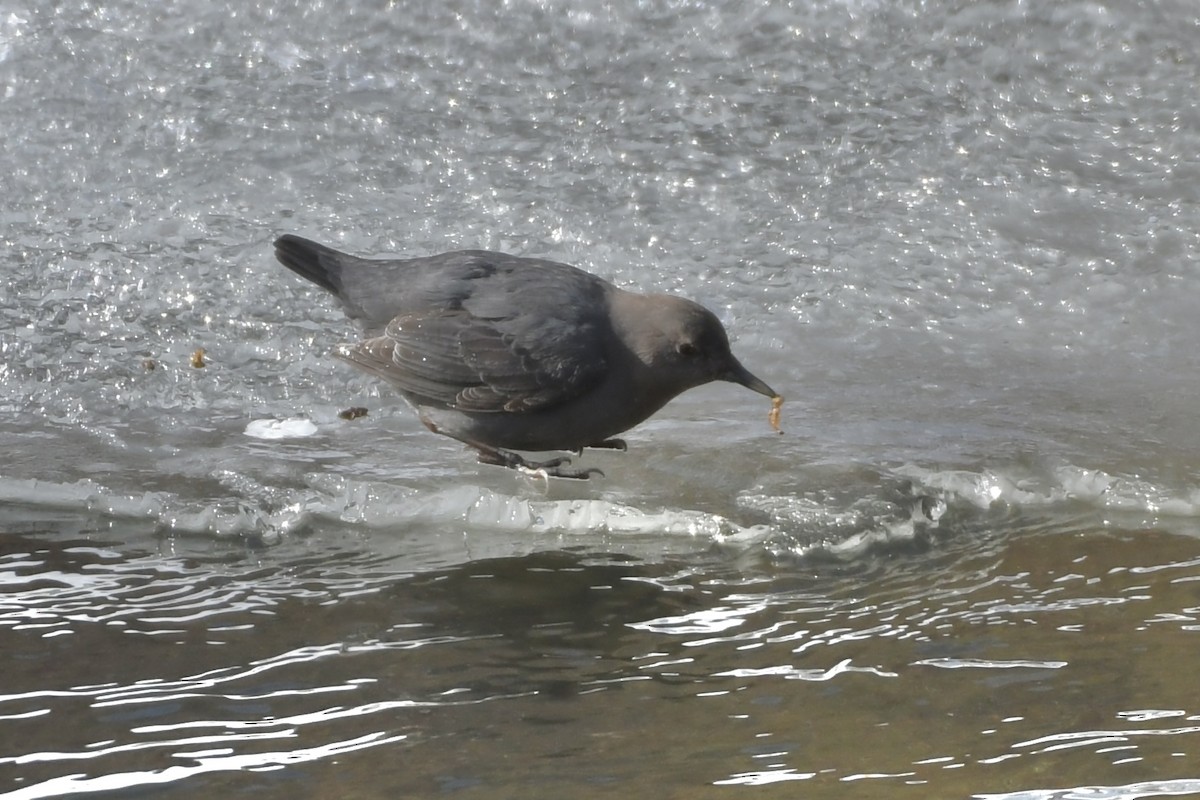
(961, 238)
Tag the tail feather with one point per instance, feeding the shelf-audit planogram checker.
(320, 264)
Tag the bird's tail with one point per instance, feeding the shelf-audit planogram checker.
(320, 264)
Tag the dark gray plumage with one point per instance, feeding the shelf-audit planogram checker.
(507, 353)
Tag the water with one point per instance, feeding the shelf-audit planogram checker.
(960, 237)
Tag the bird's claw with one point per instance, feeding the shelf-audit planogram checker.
(552, 468)
(544, 473)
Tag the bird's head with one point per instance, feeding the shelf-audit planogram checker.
(686, 345)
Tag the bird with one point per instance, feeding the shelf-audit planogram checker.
(508, 353)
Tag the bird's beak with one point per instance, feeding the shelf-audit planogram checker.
(739, 374)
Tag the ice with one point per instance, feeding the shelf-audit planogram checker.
(293, 428)
(969, 248)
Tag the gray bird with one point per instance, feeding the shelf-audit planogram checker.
(506, 353)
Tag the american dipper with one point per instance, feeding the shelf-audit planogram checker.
(506, 353)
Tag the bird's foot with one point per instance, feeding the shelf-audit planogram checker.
(607, 444)
(610, 444)
(553, 468)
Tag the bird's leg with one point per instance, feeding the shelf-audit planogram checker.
(553, 468)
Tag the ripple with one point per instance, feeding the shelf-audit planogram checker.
(765, 777)
(1129, 791)
(205, 761)
(789, 672)
(981, 663)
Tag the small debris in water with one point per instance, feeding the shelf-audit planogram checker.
(148, 364)
(198, 358)
(354, 412)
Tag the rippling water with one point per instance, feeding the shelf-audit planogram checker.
(961, 238)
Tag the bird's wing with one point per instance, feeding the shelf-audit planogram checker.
(455, 359)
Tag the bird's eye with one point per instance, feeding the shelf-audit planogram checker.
(688, 350)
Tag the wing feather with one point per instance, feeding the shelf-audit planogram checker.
(457, 360)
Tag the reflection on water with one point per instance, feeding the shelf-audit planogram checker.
(999, 666)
